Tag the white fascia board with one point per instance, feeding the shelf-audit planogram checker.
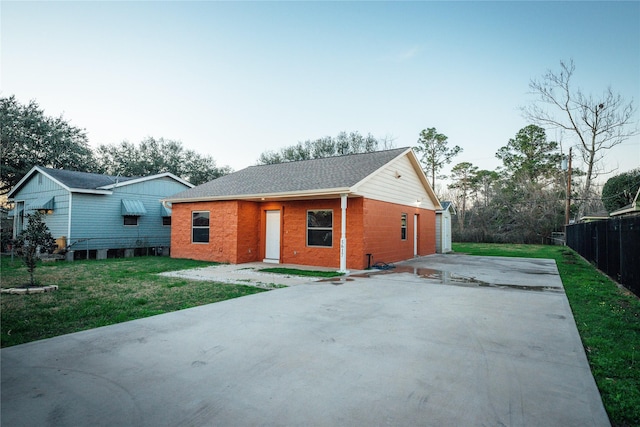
(147, 178)
(89, 191)
(28, 176)
(624, 211)
(418, 169)
(374, 173)
(61, 184)
(22, 181)
(423, 178)
(323, 193)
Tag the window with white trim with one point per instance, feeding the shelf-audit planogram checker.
(200, 227)
(320, 228)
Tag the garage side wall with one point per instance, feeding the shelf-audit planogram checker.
(383, 235)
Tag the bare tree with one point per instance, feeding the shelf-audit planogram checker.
(599, 123)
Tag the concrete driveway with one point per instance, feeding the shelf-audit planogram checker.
(444, 340)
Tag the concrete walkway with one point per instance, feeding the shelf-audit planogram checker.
(486, 341)
(248, 274)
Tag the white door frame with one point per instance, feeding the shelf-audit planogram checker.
(272, 237)
(415, 235)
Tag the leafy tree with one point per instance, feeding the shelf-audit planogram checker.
(464, 179)
(529, 155)
(485, 182)
(434, 151)
(344, 143)
(153, 156)
(526, 211)
(29, 138)
(528, 203)
(599, 123)
(34, 239)
(523, 202)
(620, 190)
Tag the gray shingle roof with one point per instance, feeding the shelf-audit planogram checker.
(291, 177)
(84, 180)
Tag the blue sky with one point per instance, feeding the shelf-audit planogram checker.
(233, 79)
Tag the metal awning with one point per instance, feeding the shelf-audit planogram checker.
(133, 208)
(165, 211)
(45, 203)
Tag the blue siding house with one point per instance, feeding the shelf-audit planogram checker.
(89, 212)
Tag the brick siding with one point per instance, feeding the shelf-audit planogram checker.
(237, 232)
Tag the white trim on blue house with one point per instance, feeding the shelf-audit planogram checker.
(104, 189)
(147, 178)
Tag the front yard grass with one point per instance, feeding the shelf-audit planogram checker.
(608, 320)
(97, 293)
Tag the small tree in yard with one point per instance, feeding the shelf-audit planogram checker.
(35, 238)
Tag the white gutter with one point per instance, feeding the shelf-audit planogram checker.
(264, 196)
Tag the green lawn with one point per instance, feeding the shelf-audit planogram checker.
(607, 317)
(98, 293)
(298, 272)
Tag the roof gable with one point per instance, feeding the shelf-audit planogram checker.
(86, 182)
(329, 173)
(306, 178)
(447, 205)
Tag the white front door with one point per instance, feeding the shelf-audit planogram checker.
(272, 241)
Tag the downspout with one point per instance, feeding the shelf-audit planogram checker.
(343, 234)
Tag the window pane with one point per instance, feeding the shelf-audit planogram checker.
(166, 220)
(200, 235)
(320, 219)
(201, 219)
(319, 237)
(130, 220)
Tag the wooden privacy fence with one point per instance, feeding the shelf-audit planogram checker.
(613, 245)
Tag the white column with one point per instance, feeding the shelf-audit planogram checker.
(343, 234)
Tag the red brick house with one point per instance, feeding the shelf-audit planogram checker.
(344, 212)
